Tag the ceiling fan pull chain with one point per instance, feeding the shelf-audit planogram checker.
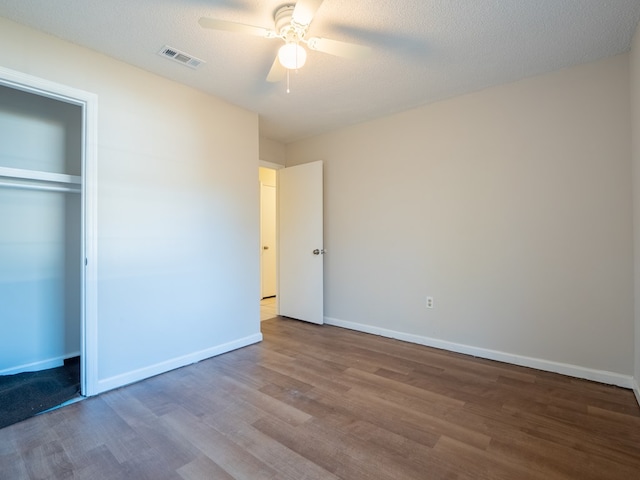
(288, 89)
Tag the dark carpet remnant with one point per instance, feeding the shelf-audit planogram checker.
(26, 394)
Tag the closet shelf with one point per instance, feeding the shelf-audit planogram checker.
(39, 180)
(19, 173)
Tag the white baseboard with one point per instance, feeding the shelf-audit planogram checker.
(39, 365)
(636, 390)
(601, 376)
(162, 367)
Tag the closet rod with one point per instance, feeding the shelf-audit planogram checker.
(45, 188)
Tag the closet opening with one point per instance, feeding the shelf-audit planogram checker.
(44, 247)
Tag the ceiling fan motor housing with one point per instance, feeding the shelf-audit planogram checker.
(282, 17)
(286, 27)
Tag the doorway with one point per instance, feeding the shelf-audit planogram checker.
(268, 242)
(299, 255)
(47, 250)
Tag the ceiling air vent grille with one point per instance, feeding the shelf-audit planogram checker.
(180, 57)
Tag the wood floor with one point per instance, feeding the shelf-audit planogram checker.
(320, 402)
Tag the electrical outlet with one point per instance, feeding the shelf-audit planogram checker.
(429, 302)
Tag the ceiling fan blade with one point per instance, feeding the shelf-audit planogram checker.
(338, 48)
(305, 10)
(235, 27)
(277, 72)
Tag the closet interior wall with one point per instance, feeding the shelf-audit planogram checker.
(40, 231)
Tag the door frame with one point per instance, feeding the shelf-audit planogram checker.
(89, 274)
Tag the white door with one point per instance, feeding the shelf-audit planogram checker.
(300, 292)
(268, 240)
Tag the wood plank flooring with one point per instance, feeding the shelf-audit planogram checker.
(320, 402)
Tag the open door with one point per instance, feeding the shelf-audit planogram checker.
(300, 223)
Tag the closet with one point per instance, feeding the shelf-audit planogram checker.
(41, 230)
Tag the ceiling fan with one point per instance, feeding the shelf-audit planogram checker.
(291, 23)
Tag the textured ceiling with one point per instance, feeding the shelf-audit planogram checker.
(424, 50)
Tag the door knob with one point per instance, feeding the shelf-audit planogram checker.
(319, 251)
(266, 247)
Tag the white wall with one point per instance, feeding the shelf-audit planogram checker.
(511, 206)
(635, 125)
(178, 225)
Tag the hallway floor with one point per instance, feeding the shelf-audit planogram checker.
(267, 308)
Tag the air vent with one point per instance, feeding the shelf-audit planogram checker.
(180, 57)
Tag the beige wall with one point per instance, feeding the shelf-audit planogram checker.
(272, 151)
(511, 206)
(178, 222)
(635, 124)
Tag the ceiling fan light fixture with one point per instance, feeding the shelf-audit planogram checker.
(292, 56)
